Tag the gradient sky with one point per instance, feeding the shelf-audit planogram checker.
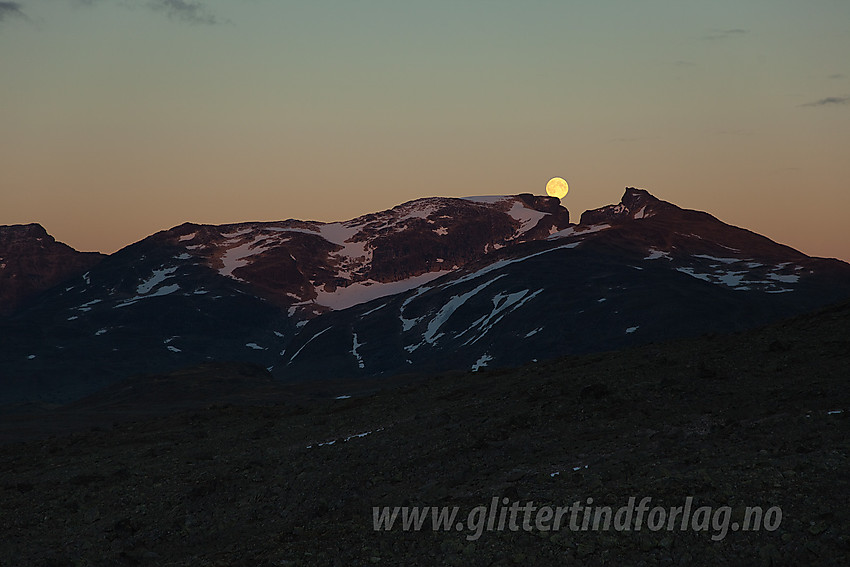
(119, 118)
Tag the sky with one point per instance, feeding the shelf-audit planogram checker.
(119, 118)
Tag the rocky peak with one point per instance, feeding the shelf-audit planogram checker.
(635, 199)
(635, 204)
(22, 232)
(31, 261)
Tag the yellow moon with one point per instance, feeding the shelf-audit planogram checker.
(557, 187)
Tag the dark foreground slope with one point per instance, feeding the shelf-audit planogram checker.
(754, 419)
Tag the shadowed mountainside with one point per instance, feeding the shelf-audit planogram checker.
(749, 419)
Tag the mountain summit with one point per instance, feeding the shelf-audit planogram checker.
(636, 204)
(432, 284)
(315, 267)
(31, 261)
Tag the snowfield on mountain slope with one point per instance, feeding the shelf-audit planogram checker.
(241, 245)
(519, 211)
(156, 278)
(740, 274)
(578, 230)
(363, 292)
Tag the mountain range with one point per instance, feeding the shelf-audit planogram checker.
(431, 285)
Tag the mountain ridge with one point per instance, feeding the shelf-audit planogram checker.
(433, 284)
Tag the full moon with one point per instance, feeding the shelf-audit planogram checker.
(557, 187)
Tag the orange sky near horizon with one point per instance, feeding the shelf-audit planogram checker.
(118, 121)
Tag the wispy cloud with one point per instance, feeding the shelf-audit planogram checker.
(725, 34)
(829, 101)
(11, 10)
(188, 11)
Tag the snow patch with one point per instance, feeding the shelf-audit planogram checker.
(307, 343)
(690, 272)
(716, 259)
(411, 348)
(732, 279)
(502, 263)
(502, 305)
(578, 230)
(87, 306)
(354, 254)
(632, 329)
(255, 346)
(408, 324)
(792, 278)
(164, 290)
(156, 278)
(363, 292)
(345, 439)
(528, 218)
(237, 257)
(481, 362)
(656, 254)
(354, 347)
(449, 308)
(381, 306)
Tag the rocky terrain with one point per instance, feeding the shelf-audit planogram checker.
(31, 261)
(220, 465)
